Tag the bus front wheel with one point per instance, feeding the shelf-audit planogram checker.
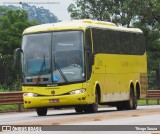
(79, 109)
(120, 106)
(92, 108)
(41, 111)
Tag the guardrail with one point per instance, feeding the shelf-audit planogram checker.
(153, 95)
(7, 98)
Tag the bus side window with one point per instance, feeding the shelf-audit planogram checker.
(88, 51)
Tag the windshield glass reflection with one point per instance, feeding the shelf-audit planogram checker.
(56, 57)
(68, 56)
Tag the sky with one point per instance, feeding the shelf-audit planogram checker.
(57, 7)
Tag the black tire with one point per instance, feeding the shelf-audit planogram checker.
(92, 108)
(135, 102)
(120, 106)
(79, 109)
(130, 102)
(41, 111)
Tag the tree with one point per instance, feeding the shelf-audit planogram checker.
(12, 24)
(121, 12)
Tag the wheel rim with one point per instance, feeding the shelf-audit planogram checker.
(135, 102)
(131, 101)
(96, 102)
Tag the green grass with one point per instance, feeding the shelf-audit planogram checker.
(7, 108)
(150, 102)
(3, 90)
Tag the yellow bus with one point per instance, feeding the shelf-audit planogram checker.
(83, 64)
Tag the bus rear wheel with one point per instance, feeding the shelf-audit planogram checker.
(135, 102)
(130, 103)
(41, 111)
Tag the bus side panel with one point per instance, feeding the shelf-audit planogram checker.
(120, 71)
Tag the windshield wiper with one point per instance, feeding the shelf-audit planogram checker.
(43, 65)
(60, 71)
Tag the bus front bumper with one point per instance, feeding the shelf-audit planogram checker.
(53, 101)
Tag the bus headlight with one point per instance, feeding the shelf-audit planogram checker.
(79, 91)
(30, 94)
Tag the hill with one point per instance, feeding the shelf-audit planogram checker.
(38, 14)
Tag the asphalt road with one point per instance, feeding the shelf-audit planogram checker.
(144, 115)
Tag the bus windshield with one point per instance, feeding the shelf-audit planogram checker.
(56, 57)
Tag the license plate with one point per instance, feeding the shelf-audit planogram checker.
(53, 100)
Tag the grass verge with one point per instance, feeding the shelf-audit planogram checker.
(150, 102)
(7, 108)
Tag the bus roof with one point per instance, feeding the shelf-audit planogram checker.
(77, 25)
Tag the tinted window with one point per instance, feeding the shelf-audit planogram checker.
(118, 42)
